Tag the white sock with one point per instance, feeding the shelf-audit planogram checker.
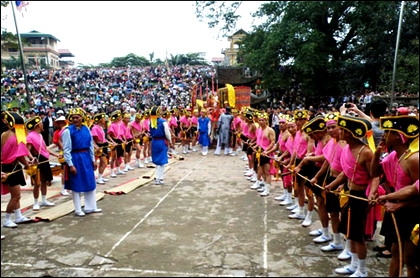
(325, 231)
(112, 171)
(354, 260)
(18, 213)
(44, 198)
(337, 238)
(8, 217)
(35, 201)
(362, 265)
(347, 247)
(301, 210)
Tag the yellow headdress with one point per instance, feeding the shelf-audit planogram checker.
(77, 111)
(98, 117)
(314, 125)
(331, 118)
(32, 122)
(115, 115)
(300, 114)
(154, 115)
(16, 121)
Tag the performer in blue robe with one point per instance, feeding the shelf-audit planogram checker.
(204, 129)
(161, 141)
(80, 166)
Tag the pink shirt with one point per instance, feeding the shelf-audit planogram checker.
(173, 121)
(145, 123)
(394, 173)
(262, 141)
(281, 142)
(237, 122)
(126, 131)
(355, 172)
(38, 144)
(245, 129)
(184, 121)
(301, 145)
(12, 151)
(318, 150)
(290, 142)
(251, 135)
(99, 132)
(123, 130)
(332, 153)
(194, 121)
(114, 130)
(137, 126)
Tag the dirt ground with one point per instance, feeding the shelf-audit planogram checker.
(204, 221)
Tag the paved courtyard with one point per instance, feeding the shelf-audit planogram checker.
(204, 221)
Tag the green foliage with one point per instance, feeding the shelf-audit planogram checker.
(329, 47)
(132, 60)
(220, 13)
(187, 59)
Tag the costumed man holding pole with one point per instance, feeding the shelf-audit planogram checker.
(312, 162)
(356, 158)
(329, 203)
(101, 144)
(14, 154)
(400, 168)
(36, 145)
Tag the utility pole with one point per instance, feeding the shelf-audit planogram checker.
(21, 55)
(396, 54)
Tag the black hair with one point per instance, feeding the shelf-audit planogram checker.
(378, 108)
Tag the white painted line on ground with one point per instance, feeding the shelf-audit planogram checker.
(265, 240)
(145, 217)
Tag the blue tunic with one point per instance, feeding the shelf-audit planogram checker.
(81, 158)
(159, 144)
(203, 125)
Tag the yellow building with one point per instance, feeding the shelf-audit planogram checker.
(231, 53)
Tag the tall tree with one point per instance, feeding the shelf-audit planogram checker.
(326, 47)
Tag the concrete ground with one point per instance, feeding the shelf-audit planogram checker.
(204, 221)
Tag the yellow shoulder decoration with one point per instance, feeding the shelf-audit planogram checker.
(413, 148)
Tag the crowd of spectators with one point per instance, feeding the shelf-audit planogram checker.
(105, 89)
(108, 89)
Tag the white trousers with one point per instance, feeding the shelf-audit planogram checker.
(90, 200)
(160, 171)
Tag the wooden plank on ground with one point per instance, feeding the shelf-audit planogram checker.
(132, 184)
(27, 200)
(53, 213)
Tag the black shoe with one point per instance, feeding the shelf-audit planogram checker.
(379, 248)
(381, 254)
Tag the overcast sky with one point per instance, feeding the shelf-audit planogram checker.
(97, 31)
